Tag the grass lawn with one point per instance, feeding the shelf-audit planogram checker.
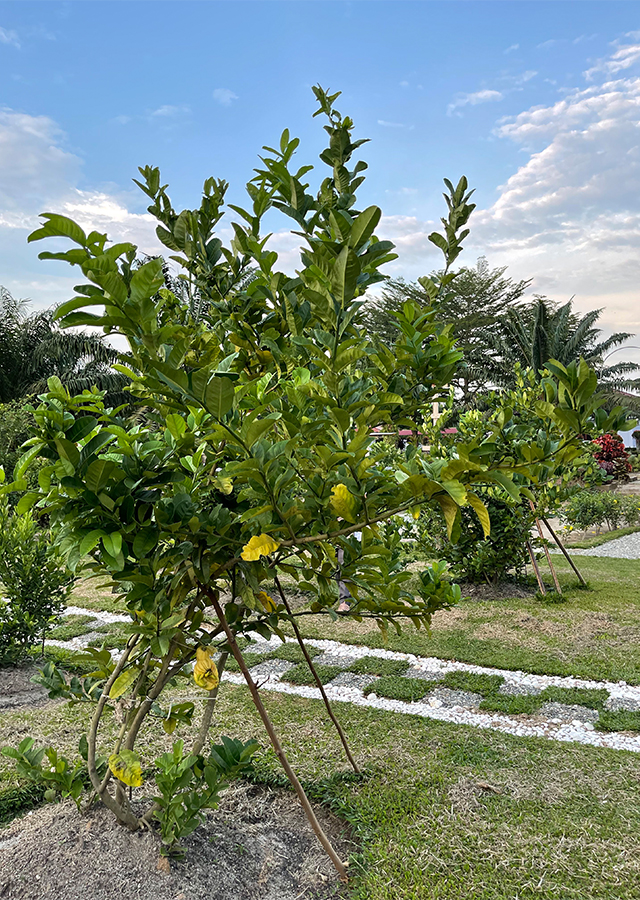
(444, 811)
(594, 634)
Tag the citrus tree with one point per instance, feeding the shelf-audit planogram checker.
(255, 463)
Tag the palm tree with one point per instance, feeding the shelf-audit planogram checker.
(543, 331)
(33, 348)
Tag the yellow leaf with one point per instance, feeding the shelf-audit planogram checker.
(169, 725)
(205, 672)
(267, 602)
(450, 511)
(481, 512)
(126, 768)
(122, 683)
(259, 545)
(343, 502)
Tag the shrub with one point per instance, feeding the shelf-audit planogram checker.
(592, 509)
(612, 455)
(35, 582)
(474, 557)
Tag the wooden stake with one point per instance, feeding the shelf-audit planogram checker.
(546, 549)
(316, 676)
(564, 550)
(255, 696)
(534, 563)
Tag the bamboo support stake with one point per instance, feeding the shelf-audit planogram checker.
(273, 737)
(546, 549)
(564, 550)
(536, 569)
(316, 677)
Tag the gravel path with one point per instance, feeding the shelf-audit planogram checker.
(627, 547)
(555, 721)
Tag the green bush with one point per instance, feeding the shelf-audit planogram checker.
(35, 583)
(473, 557)
(593, 509)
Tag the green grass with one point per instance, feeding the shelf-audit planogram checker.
(373, 665)
(251, 659)
(71, 627)
(444, 811)
(595, 634)
(591, 697)
(292, 653)
(512, 705)
(395, 687)
(301, 674)
(469, 681)
(618, 720)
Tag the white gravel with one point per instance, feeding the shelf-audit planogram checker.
(349, 690)
(627, 547)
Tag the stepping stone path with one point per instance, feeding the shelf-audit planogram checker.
(457, 703)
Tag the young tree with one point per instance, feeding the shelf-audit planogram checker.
(259, 463)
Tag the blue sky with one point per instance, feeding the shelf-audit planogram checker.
(538, 103)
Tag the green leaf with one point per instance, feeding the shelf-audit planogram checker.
(89, 541)
(98, 474)
(364, 226)
(144, 542)
(219, 396)
(112, 543)
(26, 502)
(58, 226)
(481, 512)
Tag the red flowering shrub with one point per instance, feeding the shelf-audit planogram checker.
(612, 455)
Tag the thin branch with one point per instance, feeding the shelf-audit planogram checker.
(255, 696)
(316, 676)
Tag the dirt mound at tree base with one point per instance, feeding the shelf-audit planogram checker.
(256, 846)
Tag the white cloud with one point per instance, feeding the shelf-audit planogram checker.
(168, 111)
(9, 37)
(386, 124)
(545, 45)
(512, 48)
(224, 96)
(623, 58)
(524, 77)
(404, 84)
(38, 174)
(484, 96)
(569, 216)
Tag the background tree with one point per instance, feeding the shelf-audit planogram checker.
(541, 331)
(473, 303)
(33, 348)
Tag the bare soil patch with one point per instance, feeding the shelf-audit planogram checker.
(17, 690)
(256, 846)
